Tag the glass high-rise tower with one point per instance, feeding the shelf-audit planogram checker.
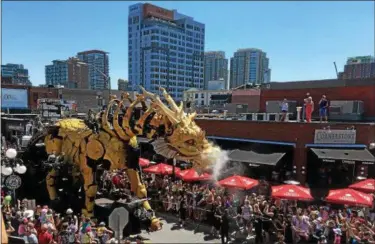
(249, 66)
(166, 49)
(215, 67)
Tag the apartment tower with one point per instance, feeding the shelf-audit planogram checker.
(98, 65)
(215, 68)
(249, 66)
(166, 49)
(70, 73)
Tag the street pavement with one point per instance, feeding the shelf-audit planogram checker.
(171, 233)
(191, 233)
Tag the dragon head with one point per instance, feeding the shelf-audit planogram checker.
(183, 138)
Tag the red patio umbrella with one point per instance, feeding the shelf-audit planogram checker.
(292, 192)
(349, 197)
(161, 169)
(192, 175)
(367, 186)
(240, 182)
(144, 162)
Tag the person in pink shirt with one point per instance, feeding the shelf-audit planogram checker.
(22, 227)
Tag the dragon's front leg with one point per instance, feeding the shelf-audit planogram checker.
(50, 182)
(139, 189)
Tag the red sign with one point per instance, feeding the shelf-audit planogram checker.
(150, 10)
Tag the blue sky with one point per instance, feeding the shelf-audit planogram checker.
(302, 39)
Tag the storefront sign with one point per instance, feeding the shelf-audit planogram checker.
(368, 163)
(16, 127)
(335, 136)
(14, 98)
(348, 162)
(329, 160)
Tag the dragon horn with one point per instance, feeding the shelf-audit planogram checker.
(192, 116)
(164, 109)
(170, 100)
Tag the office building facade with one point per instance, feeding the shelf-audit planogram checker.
(249, 66)
(166, 49)
(71, 73)
(215, 68)
(98, 64)
(359, 67)
(14, 74)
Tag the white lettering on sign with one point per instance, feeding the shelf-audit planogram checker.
(329, 160)
(348, 162)
(335, 136)
(368, 163)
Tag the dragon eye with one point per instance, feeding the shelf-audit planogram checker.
(191, 142)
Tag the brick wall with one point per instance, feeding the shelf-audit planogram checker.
(298, 133)
(41, 92)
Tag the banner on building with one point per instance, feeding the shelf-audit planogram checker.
(14, 98)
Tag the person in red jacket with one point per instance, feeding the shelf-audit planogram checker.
(44, 237)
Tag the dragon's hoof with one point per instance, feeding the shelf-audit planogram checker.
(155, 224)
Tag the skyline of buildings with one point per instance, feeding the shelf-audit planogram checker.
(249, 66)
(215, 68)
(166, 49)
(14, 74)
(70, 73)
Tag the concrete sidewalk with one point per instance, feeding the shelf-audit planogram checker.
(196, 226)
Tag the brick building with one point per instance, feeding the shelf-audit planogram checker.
(297, 139)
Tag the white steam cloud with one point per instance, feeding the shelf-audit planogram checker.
(216, 158)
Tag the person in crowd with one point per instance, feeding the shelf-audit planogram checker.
(183, 209)
(9, 228)
(103, 233)
(304, 107)
(65, 235)
(224, 229)
(30, 237)
(45, 237)
(323, 108)
(247, 211)
(309, 108)
(284, 109)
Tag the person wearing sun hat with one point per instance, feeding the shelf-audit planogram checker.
(102, 233)
(338, 234)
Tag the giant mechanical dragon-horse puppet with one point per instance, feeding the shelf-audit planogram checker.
(173, 133)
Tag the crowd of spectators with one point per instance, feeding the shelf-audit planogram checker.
(45, 226)
(252, 214)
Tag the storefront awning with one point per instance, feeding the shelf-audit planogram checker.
(252, 157)
(345, 155)
(252, 141)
